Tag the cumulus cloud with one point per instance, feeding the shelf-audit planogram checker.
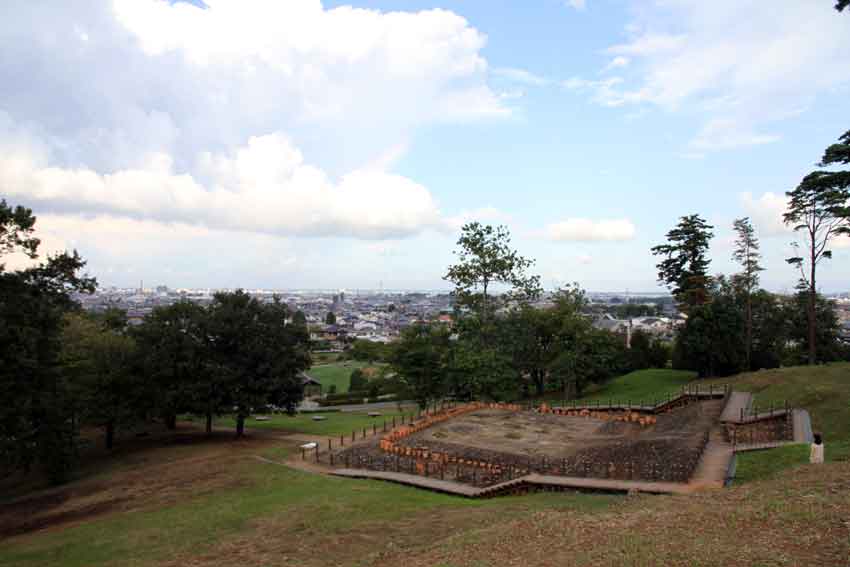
(586, 230)
(726, 134)
(264, 186)
(275, 117)
(723, 60)
(521, 76)
(766, 212)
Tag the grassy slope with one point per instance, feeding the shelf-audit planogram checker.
(823, 390)
(641, 385)
(798, 520)
(269, 514)
(335, 423)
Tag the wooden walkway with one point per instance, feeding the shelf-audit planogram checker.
(530, 480)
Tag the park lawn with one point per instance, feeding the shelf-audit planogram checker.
(335, 423)
(757, 465)
(641, 386)
(337, 374)
(258, 513)
(798, 520)
(823, 390)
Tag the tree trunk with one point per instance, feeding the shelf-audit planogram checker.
(749, 329)
(170, 421)
(110, 434)
(811, 311)
(209, 423)
(240, 425)
(539, 382)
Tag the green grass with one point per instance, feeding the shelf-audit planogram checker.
(757, 465)
(289, 503)
(823, 390)
(336, 374)
(646, 386)
(335, 423)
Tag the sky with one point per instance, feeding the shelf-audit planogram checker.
(303, 144)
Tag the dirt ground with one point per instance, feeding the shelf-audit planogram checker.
(146, 477)
(556, 436)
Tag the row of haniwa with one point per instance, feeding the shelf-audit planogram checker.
(626, 416)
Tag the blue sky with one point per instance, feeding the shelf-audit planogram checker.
(338, 145)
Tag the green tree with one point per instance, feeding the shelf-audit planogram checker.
(485, 258)
(420, 358)
(529, 335)
(747, 254)
(100, 362)
(357, 381)
(172, 347)
(16, 230)
(37, 417)
(684, 264)
(299, 318)
(330, 318)
(818, 209)
(711, 342)
(827, 325)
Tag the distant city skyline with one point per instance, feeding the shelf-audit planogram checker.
(307, 144)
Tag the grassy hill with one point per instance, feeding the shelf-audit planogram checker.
(823, 390)
(186, 500)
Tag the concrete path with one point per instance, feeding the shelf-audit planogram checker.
(737, 401)
(714, 463)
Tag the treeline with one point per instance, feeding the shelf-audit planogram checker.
(503, 348)
(732, 324)
(62, 370)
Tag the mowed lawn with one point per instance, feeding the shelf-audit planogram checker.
(336, 374)
(641, 386)
(217, 504)
(334, 423)
(823, 390)
(214, 503)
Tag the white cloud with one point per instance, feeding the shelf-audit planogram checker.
(521, 76)
(725, 134)
(585, 259)
(264, 186)
(766, 212)
(577, 4)
(603, 91)
(586, 230)
(267, 116)
(739, 66)
(617, 62)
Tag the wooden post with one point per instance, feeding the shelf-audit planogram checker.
(353, 436)
(342, 441)
(303, 453)
(317, 452)
(374, 428)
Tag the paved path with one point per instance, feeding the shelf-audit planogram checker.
(574, 483)
(737, 401)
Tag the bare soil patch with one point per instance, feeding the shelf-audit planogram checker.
(147, 474)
